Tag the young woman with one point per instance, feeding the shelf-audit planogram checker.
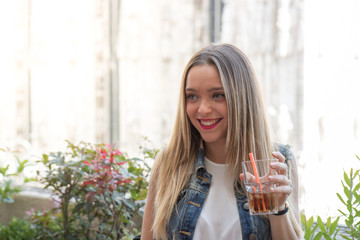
(196, 191)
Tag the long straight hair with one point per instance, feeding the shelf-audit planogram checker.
(248, 129)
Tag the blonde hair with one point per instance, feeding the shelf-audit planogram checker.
(248, 130)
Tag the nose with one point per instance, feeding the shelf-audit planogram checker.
(205, 107)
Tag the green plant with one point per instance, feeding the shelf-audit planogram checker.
(317, 230)
(329, 230)
(97, 191)
(129, 235)
(309, 228)
(46, 224)
(7, 176)
(17, 229)
(64, 172)
(351, 200)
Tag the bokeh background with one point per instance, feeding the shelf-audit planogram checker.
(108, 71)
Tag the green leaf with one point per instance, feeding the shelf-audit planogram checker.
(130, 203)
(357, 187)
(22, 165)
(347, 222)
(349, 207)
(318, 236)
(357, 214)
(27, 179)
(313, 231)
(341, 199)
(45, 158)
(303, 219)
(357, 199)
(321, 224)
(79, 206)
(328, 222)
(327, 237)
(345, 237)
(347, 192)
(342, 212)
(334, 225)
(310, 222)
(347, 180)
(3, 170)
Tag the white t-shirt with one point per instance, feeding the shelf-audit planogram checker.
(219, 217)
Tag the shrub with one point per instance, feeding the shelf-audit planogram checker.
(17, 229)
(97, 191)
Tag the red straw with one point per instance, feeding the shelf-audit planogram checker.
(256, 176)
(255, 169)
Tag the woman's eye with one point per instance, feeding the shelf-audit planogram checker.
(191, 97)
(219, 96)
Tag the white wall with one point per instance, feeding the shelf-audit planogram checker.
(332, 102)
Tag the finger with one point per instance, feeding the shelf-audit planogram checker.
(249, 177)
(280, 167)
(241, 176)
(280, 180)
(279, 156)
(285, 189)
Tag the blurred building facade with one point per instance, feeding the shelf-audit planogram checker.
(109, 71)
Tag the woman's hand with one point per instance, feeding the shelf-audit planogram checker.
(283, 184)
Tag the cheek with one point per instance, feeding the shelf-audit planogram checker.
(224, 110)
(191, 111)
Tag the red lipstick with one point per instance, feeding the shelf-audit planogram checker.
(210, 123)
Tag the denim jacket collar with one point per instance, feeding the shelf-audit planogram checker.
(200, 163)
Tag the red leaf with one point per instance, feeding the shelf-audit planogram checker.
(87, 163)
(88, 182)
(120, 163)
(124, 181)
(116, 153)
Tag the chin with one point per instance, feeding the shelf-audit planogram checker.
(210, 140)
(221, 139)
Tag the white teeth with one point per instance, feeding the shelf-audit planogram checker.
(208, 123)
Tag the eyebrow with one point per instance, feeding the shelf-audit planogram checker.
(209, 90)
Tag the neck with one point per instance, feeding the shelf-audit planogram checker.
(215, 152)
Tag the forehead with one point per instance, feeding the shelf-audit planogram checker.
(202, 76)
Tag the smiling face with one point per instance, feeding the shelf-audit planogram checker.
(206, 104)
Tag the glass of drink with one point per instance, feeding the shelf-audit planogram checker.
(257, 184)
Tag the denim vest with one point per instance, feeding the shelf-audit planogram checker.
(191, 200)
